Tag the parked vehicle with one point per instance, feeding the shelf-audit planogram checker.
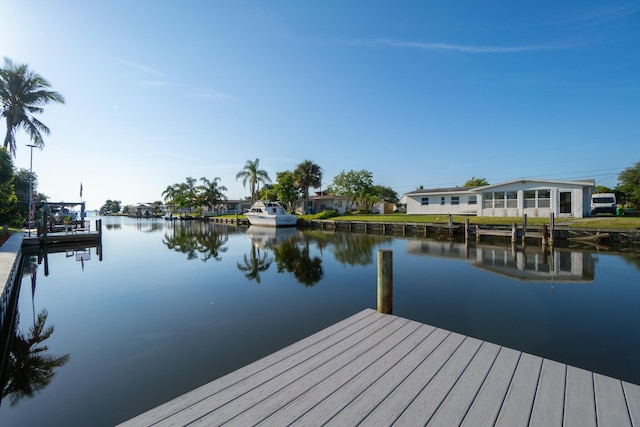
(603, 203)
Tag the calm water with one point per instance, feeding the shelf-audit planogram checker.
(172, 306)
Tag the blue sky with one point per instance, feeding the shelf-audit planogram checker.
(416, 92)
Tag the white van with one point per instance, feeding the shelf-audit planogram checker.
(603, 203)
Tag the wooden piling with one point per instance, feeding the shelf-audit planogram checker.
(544, 234)
(524, 228)
(552, 222)
(466, 230)
(385, 281)
(514, 233)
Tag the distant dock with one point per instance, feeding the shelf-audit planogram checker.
(380, 369)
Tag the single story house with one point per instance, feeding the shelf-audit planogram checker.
(322, 202)
(534, 197)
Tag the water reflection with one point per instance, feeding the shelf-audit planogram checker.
(528, 263)
(26, 367)
(30, 369)
(197, 240)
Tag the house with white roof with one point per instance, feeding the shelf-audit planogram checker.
(534, 197)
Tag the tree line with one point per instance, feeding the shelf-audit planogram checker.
(289, 188)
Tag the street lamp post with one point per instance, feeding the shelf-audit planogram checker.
(31, 213)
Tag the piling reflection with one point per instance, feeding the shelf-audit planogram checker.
(197, 240)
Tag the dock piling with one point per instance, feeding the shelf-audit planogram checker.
(385, 281)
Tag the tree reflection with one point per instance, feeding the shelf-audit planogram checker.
(257, 262)
(30, 369)
(293, 259)
(197, 240)
(355, 249)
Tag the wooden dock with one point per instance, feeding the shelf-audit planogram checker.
(379, 369)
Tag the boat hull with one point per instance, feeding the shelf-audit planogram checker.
(287, 220)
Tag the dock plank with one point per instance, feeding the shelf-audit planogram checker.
(548, 405)
(248, 410)
(611, 407)
(580, 406)
(517, 405)
(339, 389)
(422, 408)
(485, 407)
(376, 369)
(261, 385)
(632, 397)
(458, 402)
(392, 407)
(319, 340)
(371, 397)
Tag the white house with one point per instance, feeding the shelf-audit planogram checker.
(534, 197)
(321, 202)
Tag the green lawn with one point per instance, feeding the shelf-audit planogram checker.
(599, 222)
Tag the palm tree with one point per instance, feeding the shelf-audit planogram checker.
(307, 174)
(23, 93)
(210, 192)
(251, 172)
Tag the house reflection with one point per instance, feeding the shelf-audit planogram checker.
(528, 263)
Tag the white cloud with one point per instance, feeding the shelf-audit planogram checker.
(140, 67)
(152, 83)
(460, 48)
(212, 94)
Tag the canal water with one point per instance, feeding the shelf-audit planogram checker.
(166, 306)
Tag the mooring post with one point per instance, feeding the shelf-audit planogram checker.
(466, 230)
(514, 233)
(544, 234)
(99, 228)
(477, 234)
(385, 281)
(524, 228)
(552, 222)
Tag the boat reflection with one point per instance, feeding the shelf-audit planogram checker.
(528, 263)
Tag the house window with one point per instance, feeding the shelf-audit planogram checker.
(442, 200)
(530, 199)
(473, 200)
(512, 199)
(487, 200)
(537, 198)
(544, 198)
(498, 200)
(425, 201)
(455, 200)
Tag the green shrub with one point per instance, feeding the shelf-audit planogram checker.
(326, 214)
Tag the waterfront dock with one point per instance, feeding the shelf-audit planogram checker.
(381, 369)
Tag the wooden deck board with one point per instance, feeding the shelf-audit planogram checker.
(344, 385)
(224, 406)
(548, 407)
(375, 369)
(282, 389)
(611, 407)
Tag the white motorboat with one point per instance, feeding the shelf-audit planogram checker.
(264, 212)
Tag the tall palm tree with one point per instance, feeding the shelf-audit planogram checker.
(210, 192)
(23, 93)
(306, 175)
(251, 172)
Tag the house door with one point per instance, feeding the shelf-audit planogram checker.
(565, 203)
